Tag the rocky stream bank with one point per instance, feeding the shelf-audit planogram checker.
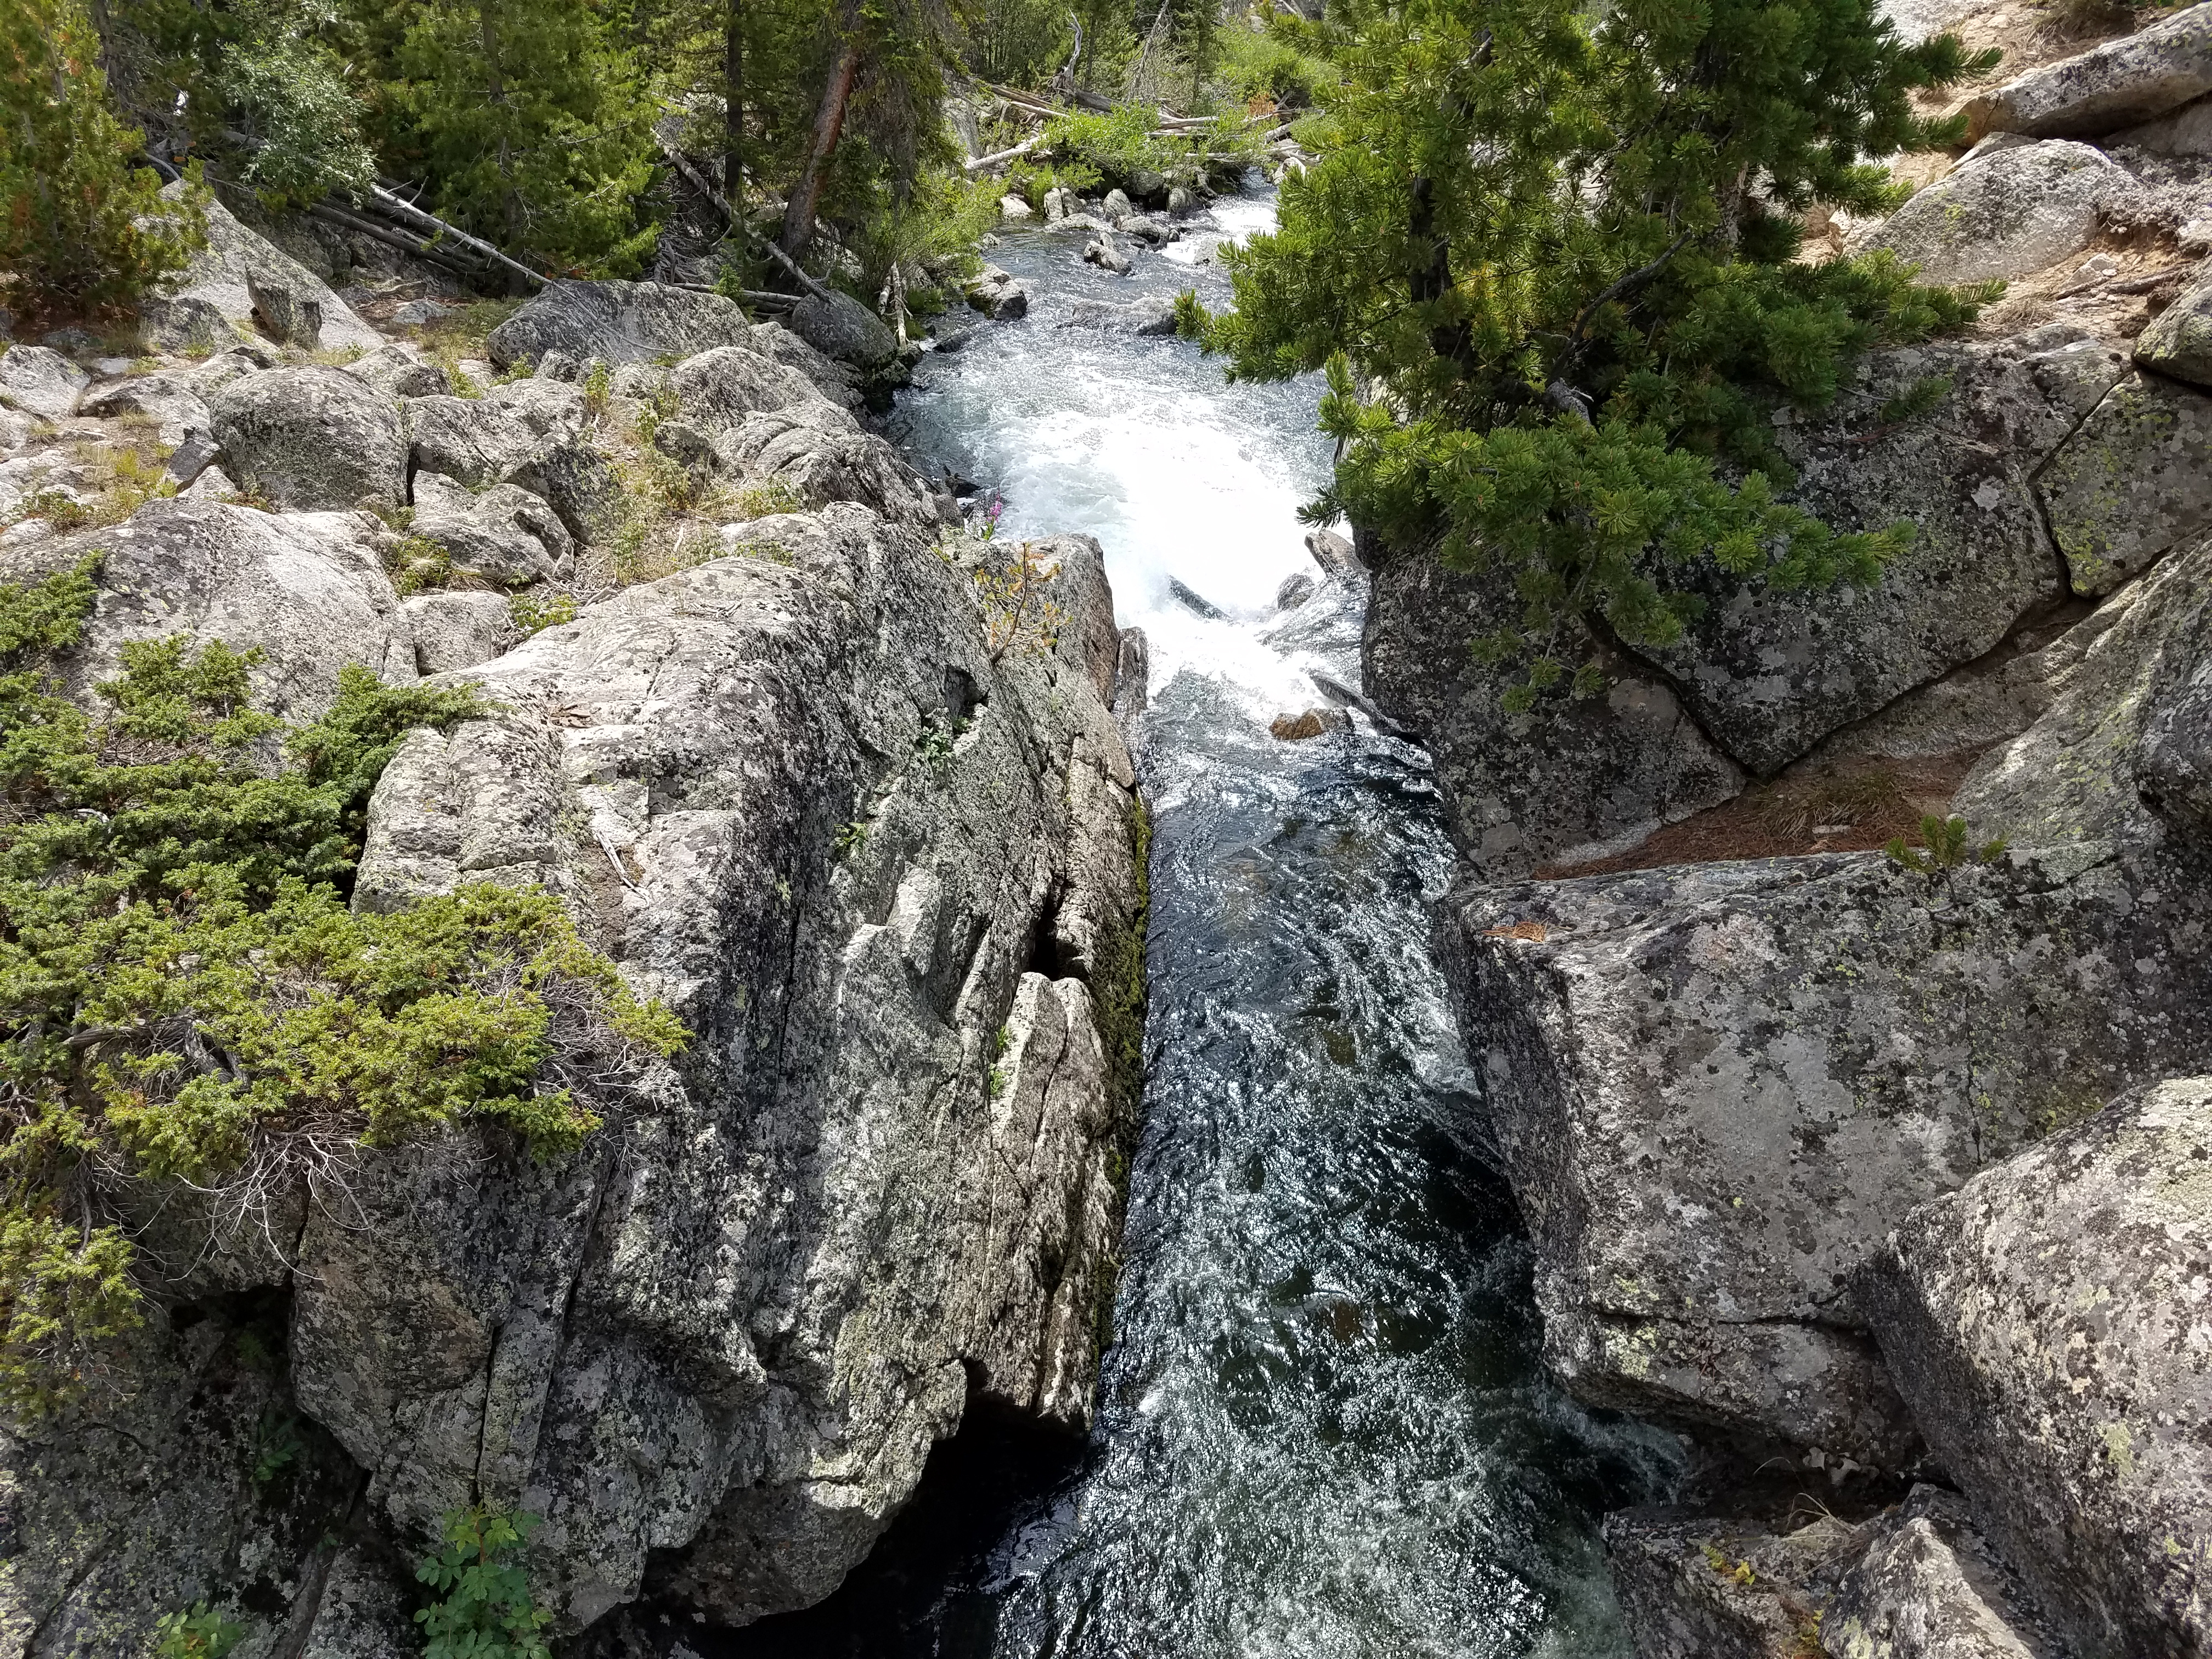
(867, 825)
(1883, 1187)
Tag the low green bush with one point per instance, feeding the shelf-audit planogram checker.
(186, 996)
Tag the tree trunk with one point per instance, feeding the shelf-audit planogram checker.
(733, 107)
(828, 122)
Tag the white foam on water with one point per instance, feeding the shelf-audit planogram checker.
(1180, 475)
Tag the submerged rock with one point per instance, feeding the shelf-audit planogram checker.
(1154, 316)
(1313, 723)
(2047, 1322)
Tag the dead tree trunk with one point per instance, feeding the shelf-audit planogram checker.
(733, 106)
(828, 122)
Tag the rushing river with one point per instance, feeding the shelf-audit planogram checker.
(1321, 1429)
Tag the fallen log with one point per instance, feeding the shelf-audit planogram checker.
(405, 208)
(415, 247)
(739, 227)
(1000, 158)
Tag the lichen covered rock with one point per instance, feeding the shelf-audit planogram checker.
(41, 381)
(200, 1483)
(312, 440)
(2135, 481)
(1708, 1588)
(617, 322)
(502, 533)
(530, 434)
(799, 799)
(224, 276)
(2178, 342)
(1927, 1585)
(1768, 673)
(1714, 1089)
(2121, 725)
(2004, 214)
(1575, 780)
(2047, 1321)
(2137, 78)
(308, 590)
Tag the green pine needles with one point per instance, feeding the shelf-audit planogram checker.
(1548, 254)
(82, 225)
(185, 998)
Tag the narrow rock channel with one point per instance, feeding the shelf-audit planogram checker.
(1322, 1428)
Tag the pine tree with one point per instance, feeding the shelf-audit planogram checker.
(526, 116)
(1549, 256)
(81, 226)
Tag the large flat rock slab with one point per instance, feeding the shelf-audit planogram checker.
(2050, 1324)
(1715, 1089)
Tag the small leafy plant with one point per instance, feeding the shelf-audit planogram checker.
(934, 747)
(486, 1611)
(199, 1633)
(276, 1445)
(534, 615)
